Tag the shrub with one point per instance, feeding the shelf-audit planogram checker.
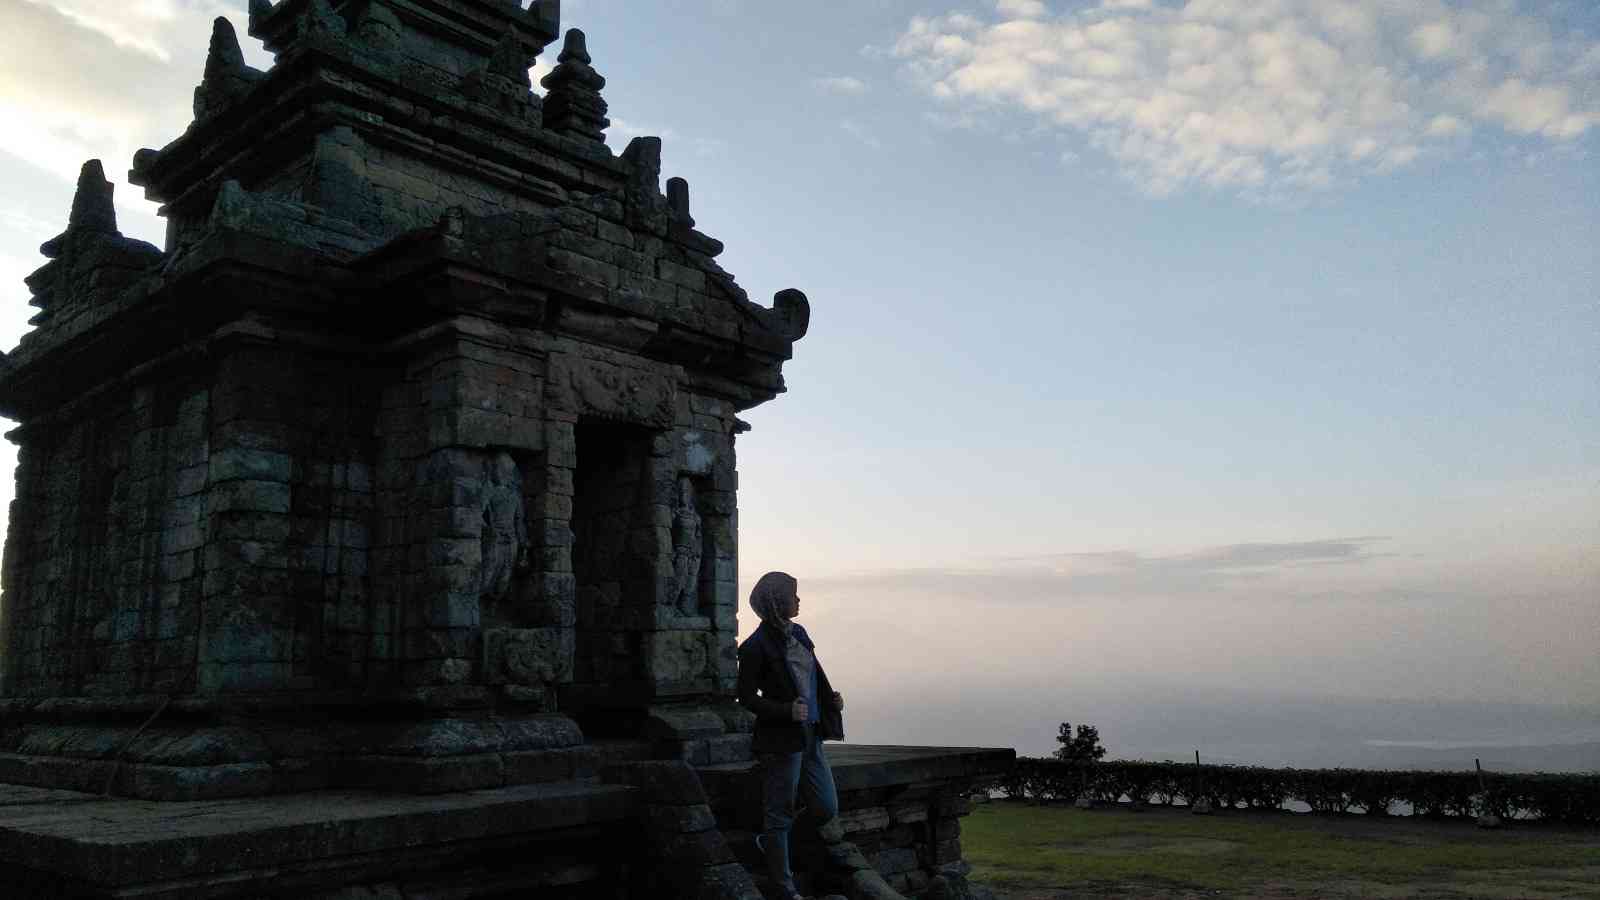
(1571, 799)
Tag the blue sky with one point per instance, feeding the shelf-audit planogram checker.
(1246, 345)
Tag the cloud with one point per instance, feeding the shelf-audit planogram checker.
(1260, 96)
(624, 130)
(132, 26)
(861, 133)
(841, 84)
(1023, 9)
(1066, 577)
(100, 78)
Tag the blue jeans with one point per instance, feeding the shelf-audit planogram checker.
(787, 777)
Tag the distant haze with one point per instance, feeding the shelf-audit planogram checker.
(1171, 723)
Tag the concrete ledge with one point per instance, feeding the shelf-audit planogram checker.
(859, 767)
(866, 766)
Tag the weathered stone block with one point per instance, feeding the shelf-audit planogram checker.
(249, 464)
(681, 275)
(685, 723)
(705, 848)
(533, 766)
(727, 882)
(244, 676)
(248, 496)
(666, 783)
(451, 609)
(680, 819)
(728, 748)
(677, 655)
(528, 656)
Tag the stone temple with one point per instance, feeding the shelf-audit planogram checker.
(376, 536)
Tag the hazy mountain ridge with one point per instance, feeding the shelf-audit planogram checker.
(1159, 723)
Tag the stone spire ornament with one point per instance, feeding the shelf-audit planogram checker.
(93, 211)
(643, 201)
(573, 104)
(678, 202)
(503, 82)
(91, 256)
(509, 61)
(226, 78)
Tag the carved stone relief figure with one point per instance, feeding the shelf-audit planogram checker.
(504, 534)
(687, 549)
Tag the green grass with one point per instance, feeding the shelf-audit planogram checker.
(1032, 851)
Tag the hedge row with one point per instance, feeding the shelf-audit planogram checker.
(1557, 798)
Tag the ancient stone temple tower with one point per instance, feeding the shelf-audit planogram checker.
(423, 417)
(383, 522)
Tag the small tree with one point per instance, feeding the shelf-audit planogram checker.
(1082, 747)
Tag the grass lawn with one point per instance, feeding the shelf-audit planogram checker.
(1036, 852)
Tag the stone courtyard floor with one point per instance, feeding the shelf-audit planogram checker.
(1027, 852)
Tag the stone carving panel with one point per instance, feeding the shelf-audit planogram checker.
(607, 390)
(688, 549)
(504, 535)
(532, 657)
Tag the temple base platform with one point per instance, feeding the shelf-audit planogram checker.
(638, 827)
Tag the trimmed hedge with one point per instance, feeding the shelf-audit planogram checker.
(1573, 799)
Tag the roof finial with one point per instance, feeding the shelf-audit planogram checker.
(92, 209)
(544, 20)
(226, 77)
(573, 104)
(647, 209)
(510, 60)
(224, 55)
(678, 201)
(503, 81)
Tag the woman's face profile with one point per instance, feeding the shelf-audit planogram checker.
(789, 606)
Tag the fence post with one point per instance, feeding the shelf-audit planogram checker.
(1486, 816)
(1199, 805)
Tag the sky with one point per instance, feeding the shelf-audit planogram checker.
(1242, 347)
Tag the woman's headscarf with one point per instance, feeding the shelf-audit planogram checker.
(773, 589)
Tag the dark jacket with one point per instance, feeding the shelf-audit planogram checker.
(767, 688)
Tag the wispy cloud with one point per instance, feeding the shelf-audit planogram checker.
(841, 84)
(1062, 577)
(1264, 95)
(861, 133)
(135, 26)
(101, 78)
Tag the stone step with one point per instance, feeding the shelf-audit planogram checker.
(312, 843)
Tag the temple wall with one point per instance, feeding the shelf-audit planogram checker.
(102, 556)
(411, 193)
(285, 599)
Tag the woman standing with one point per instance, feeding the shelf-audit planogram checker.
(796, 710)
